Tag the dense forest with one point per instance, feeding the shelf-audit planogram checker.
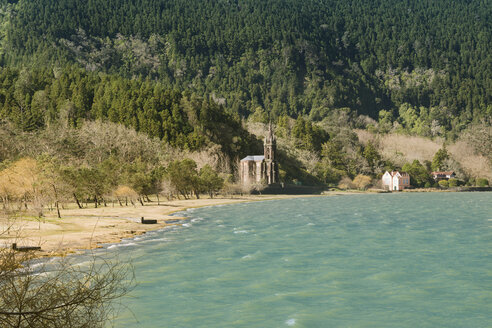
(425, 63)
(198, 76)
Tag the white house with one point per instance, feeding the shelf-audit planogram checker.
(443, 175)
(395, 180)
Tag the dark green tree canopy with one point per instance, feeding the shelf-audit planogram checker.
(287, 56)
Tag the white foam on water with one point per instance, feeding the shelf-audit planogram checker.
(37, 265)
(240, 231)
(121, 245)
(245, 257)
(197, 220)
(187, 225)
(154, 240)
(290, 322)
(310, 224)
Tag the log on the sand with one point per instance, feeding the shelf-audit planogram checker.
(148, 221)
(25, 248)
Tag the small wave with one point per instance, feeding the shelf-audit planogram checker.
(164, 229)
(187, 225)
(290, 322)
(240, 231)
(245, 257)
(310, 224)
(121, 245)
(197, 220)
(146, 241)
(37, 265)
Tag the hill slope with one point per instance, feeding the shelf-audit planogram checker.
(288, 56)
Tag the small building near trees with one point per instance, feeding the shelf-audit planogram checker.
(443, 175)
(395, 180)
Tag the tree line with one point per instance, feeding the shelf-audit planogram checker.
(46, 182)
(288, 57)
(32, 99)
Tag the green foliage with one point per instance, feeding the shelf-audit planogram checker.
(428, 61)
(87, 183)
(183, 175)
(453, 183)
(333, 152)
(419, 176)
(328, 174)
(482, 182)
(187, 180)
(439, 160)
(443, 184)
(71, 95)
(308, 135)
(210, 180)
(385, 121)
(372, 156)
(259, 115)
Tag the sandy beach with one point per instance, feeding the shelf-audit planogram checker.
(88, 228)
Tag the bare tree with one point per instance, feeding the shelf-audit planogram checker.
(62, 293)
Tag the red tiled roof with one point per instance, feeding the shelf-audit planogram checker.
(443, 173)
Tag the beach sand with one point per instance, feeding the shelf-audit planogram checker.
(88, 228)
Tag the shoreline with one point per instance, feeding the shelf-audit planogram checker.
(83, 229)
(89, 228)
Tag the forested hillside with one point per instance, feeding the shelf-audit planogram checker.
(35, 98)
(426, 63)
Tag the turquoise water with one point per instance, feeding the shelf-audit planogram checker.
(385, 260)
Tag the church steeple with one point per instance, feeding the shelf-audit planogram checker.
(270, 149)
(270, 144)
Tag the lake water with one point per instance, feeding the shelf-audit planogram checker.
(382, 260)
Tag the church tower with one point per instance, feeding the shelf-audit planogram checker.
(270, 150)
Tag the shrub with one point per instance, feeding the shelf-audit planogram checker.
(427, 185)
(362, 181)
(482, 182)
(443, 184)
(345, 183)
(453, 183)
